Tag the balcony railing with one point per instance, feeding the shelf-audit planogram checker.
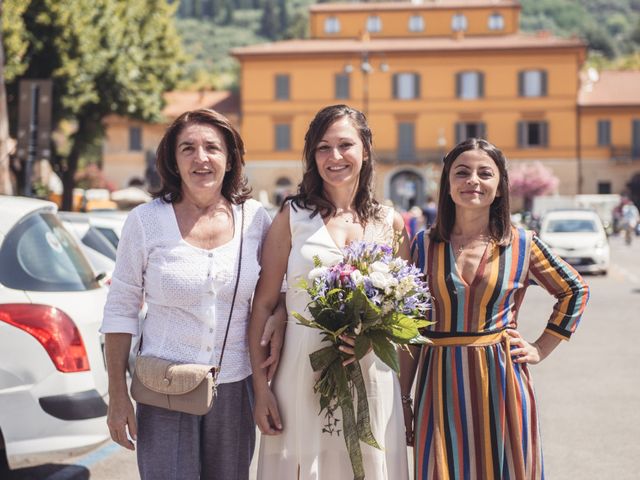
(624, 154)
(419, 157)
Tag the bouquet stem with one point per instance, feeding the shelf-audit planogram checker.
(339, 383)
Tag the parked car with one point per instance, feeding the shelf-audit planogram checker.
(109, 223)
(579, 237)
(53, 380)
(98, 249)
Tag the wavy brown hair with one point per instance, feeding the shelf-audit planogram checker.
(499, 213)
(234, 185)
(311, 193)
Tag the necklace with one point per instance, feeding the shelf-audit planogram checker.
(346, 217)
(470, 242)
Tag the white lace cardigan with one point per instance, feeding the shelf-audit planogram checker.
(188, 290)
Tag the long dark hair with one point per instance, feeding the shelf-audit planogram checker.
(311, 193)
(499, 213)
(234, 185)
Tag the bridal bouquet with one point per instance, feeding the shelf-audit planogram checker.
(381, 302)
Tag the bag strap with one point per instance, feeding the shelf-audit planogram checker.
(233, 300)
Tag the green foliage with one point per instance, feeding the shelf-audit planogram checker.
(14, 39)
(105, 57)
(208, 45)
(608, 26)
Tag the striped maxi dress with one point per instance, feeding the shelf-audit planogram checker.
(475, 414)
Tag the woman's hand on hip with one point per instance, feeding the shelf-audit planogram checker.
(266, 413)
(524, 352)
(121, 419)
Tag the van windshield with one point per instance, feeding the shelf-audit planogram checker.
(571, 225)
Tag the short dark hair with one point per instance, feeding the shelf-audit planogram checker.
(310, 190)
(234, 185)
(499, 213)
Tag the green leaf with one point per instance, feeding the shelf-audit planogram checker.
(385, 349)
(363, 344)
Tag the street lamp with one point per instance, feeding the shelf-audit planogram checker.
(366, 68)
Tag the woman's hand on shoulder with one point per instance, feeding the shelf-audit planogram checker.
(273, 337)
(266, 413)
(402, 238)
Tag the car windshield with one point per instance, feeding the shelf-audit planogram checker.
(109, 235)
(567, 225)
(38, 254)
(96, 240)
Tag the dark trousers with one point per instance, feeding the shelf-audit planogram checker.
(215, 446)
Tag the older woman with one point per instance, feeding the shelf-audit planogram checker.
(179, 254)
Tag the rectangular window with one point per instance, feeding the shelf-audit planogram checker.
(135, 139)
(406, 141)
(466, 130)
(374, 24)
(406, 86)
(604, 133)
(533, 134)
(532, 83)
(282, 87)
(283, 137)
(604, 187)
(459, 22)
(416, 23)
(332, 25)
(470, 85)
(496, 21)
(342, 86)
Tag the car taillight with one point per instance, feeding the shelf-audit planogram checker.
(53, 329)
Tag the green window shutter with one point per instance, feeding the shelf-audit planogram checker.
(543, 83)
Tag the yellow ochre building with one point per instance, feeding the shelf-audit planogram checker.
(428, 75)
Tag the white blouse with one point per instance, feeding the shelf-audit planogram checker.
(188, 290)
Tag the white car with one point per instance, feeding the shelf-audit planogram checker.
(109, 223)
(97, 248)
(53, 380)
(579, 237)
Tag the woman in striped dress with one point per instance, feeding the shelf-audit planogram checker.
(475, 413)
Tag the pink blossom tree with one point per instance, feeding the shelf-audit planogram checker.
(529, 180)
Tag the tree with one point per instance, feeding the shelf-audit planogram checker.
(530, 180)
(269, 21)
(12, 35)
(105, 57)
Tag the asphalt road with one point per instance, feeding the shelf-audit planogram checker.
(588, 390)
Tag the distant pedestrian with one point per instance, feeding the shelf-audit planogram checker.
(629, 218)
(429, 211)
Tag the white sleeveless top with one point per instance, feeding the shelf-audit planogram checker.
(303, 444)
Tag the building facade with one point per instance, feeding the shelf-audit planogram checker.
(427, 75)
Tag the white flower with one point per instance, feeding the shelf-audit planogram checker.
(357, 277)
(379, 267)
(382, 280)
(379, 280)
(317, 272)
